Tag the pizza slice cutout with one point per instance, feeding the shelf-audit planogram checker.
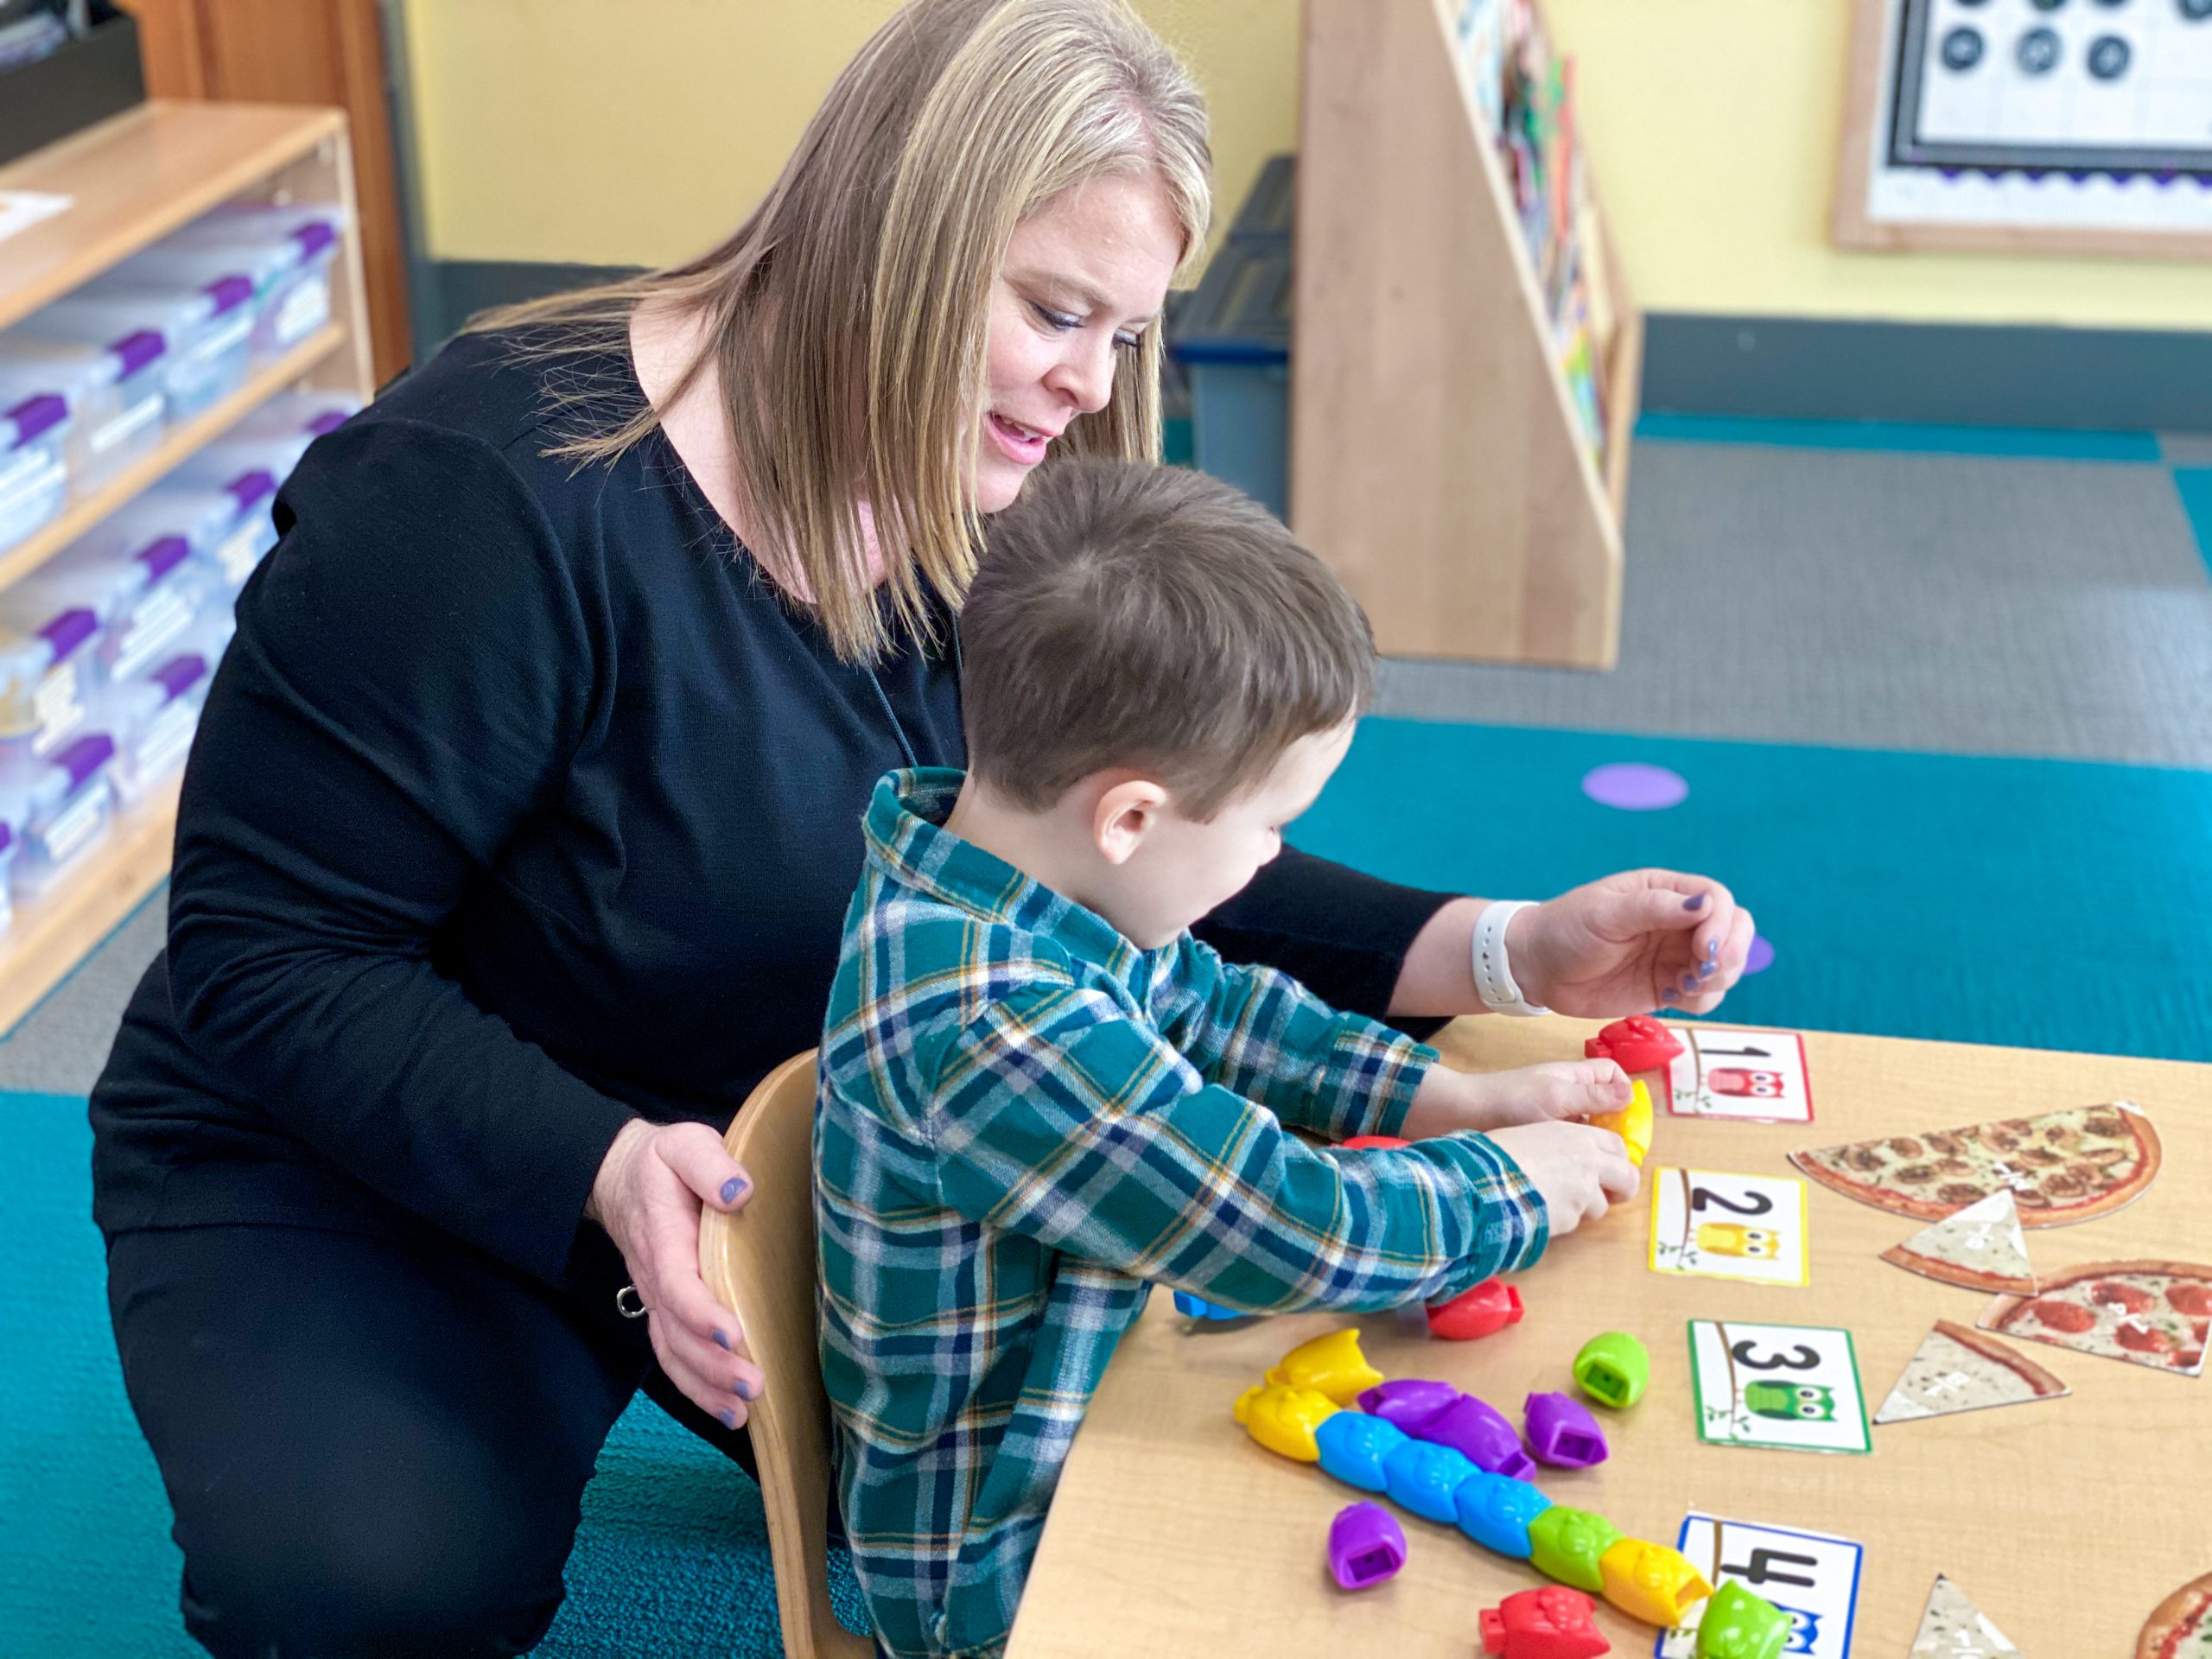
(2063, 1166)
(2182, 1626)
(2154, 1314)
(1981, 1247)
(1954, 1628)
(1957, 1368)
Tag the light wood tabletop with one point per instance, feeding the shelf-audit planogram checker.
(2068, 1520)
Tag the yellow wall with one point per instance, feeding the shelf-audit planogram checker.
(637, 131)
(640, 131)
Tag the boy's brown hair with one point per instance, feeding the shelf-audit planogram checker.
(1127, 614)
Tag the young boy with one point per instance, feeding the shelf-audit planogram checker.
(1040, 1096)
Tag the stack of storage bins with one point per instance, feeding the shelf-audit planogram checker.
(107, 648)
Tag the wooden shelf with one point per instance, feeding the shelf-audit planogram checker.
(177, 446)
(139, 176)
(132, 180)
(1438, 462)
(52, 932)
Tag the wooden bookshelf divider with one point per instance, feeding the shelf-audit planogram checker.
(132, 180)
(1437, 461)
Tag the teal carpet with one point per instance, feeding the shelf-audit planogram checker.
(2040, 903)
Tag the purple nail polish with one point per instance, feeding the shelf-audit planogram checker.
(1689, 984)
(1705, 970)
(1695, 902)
(729, 1417)
(731, 1189)
(1713, 946)
(743, 1389)
(720, 1341)
(1667, 995)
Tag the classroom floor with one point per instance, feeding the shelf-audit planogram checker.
(1943, 701)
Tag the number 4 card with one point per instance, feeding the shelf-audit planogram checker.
(1791, 1387)
(1756, 1075)
(1811, 1576)
(1749, 1227)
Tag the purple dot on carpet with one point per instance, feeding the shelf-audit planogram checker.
(1635, 787)
(1760, 956)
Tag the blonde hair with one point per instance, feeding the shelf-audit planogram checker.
(846, 319)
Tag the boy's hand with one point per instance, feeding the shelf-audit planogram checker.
(1580, 1172)
(1449, 1101)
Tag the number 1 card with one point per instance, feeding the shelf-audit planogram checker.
(1794, 1388)
(1757, 1077)
(1747, 1227)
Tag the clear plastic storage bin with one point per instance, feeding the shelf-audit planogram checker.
(68, 806)
(242, 479)
(206, 327)
(287, 253)
(152, 719)
(145, 590)
(34, 477)
(276, 435)
(42, 690)
(112, 390)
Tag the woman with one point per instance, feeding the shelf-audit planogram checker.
(515, 844)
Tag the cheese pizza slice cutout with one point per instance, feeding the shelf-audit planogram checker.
(1954, 1628)
(1957, 1368)
(1981, 1247)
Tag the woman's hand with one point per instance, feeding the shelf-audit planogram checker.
(647, 1195)
(1449, 1101)
(1630, 943)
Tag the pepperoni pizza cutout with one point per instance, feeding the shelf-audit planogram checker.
(2061, 1167)
(2154, 1314)
(2182, 1627)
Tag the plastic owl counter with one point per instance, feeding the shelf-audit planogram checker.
(1451, 1458)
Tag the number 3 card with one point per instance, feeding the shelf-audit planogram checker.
(1748, 1227)
(1757, 1077)
(1791, 1387)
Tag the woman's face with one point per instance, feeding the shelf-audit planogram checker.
(1083, 278)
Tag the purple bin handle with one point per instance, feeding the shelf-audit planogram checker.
(37, 415)
(1366, 1546)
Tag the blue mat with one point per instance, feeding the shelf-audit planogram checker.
(2041, 902)
(2048, 904)
(672, 1558)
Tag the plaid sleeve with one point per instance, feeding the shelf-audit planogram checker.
(1260, 1033)
(1057, 1117)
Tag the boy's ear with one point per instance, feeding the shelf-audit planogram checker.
(1123, 815)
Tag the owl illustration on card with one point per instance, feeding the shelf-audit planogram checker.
(1733, 1238)
(1735, 1080)
(1797, 1402)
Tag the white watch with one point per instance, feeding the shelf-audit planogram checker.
(1493, 973)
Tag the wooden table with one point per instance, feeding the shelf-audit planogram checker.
(2067, 1520)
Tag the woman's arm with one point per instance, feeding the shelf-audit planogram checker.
(414, 667)
(1630, 943)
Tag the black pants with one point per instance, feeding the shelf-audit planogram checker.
(373, 1445)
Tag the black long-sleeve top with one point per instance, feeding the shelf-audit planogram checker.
(522, 804)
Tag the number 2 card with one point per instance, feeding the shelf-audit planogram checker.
(1757, 1077)
(1794, 1388)
(1747, 1227)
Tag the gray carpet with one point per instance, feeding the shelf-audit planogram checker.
(1868, 600)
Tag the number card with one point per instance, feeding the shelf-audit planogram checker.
(1791, 1387)
(1747, 1227)
(1811, 1576)
(1757, 1077)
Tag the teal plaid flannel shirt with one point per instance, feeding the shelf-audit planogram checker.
(1023, 1123)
